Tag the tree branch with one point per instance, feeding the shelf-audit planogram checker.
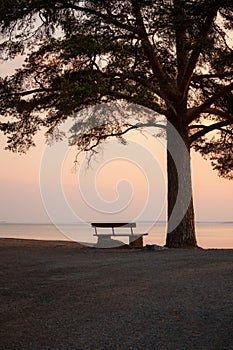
(106, 17)
(146, 83)
(220, 113)
(193, 113)
(191, 64)
(180, 32)
(209, 76)
(120, 133)
(165, 83)
(29, 92)
(207, 129)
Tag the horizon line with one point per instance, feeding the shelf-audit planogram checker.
(5, 222)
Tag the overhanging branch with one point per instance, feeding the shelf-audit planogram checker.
(101, 137)
(106, 17)
(219, 113)
(207, 129)
(28, 92)
(197, 77)
(204, 107)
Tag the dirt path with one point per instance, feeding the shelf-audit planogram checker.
(56, 296)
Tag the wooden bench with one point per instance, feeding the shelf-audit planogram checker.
(135, 239)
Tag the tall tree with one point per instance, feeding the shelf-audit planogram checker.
(172, 56)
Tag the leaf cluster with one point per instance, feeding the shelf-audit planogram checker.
(169, 56)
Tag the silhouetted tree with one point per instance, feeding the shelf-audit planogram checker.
(174, 57)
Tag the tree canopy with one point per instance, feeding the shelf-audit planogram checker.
(165, 55)
(171, 56)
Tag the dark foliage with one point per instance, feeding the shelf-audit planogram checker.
(173, 57)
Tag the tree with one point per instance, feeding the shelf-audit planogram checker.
(173, 57)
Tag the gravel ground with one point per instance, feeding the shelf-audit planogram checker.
(56, 295)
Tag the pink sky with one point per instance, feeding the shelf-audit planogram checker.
(20, 183)
(21, 197)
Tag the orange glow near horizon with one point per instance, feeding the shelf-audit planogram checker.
(21, 192)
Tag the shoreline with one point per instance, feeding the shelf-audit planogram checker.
(35, 242)
(208, 236)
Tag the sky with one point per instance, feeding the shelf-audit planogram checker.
(124, 182)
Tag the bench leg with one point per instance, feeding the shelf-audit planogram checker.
(136, 243)
(103, 239)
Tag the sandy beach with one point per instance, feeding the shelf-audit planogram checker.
(58, 295)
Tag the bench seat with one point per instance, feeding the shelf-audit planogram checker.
(135, 239)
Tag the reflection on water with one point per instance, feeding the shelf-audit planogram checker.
(209, 235)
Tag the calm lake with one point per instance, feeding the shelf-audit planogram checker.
(209, 234)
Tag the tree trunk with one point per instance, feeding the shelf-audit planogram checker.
(181, 226)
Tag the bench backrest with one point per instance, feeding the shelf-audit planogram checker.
(113, 224)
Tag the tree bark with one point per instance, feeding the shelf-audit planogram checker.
(181, 225)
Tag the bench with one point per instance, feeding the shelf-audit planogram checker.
(135, 239)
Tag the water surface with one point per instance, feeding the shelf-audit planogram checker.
(209, 234)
